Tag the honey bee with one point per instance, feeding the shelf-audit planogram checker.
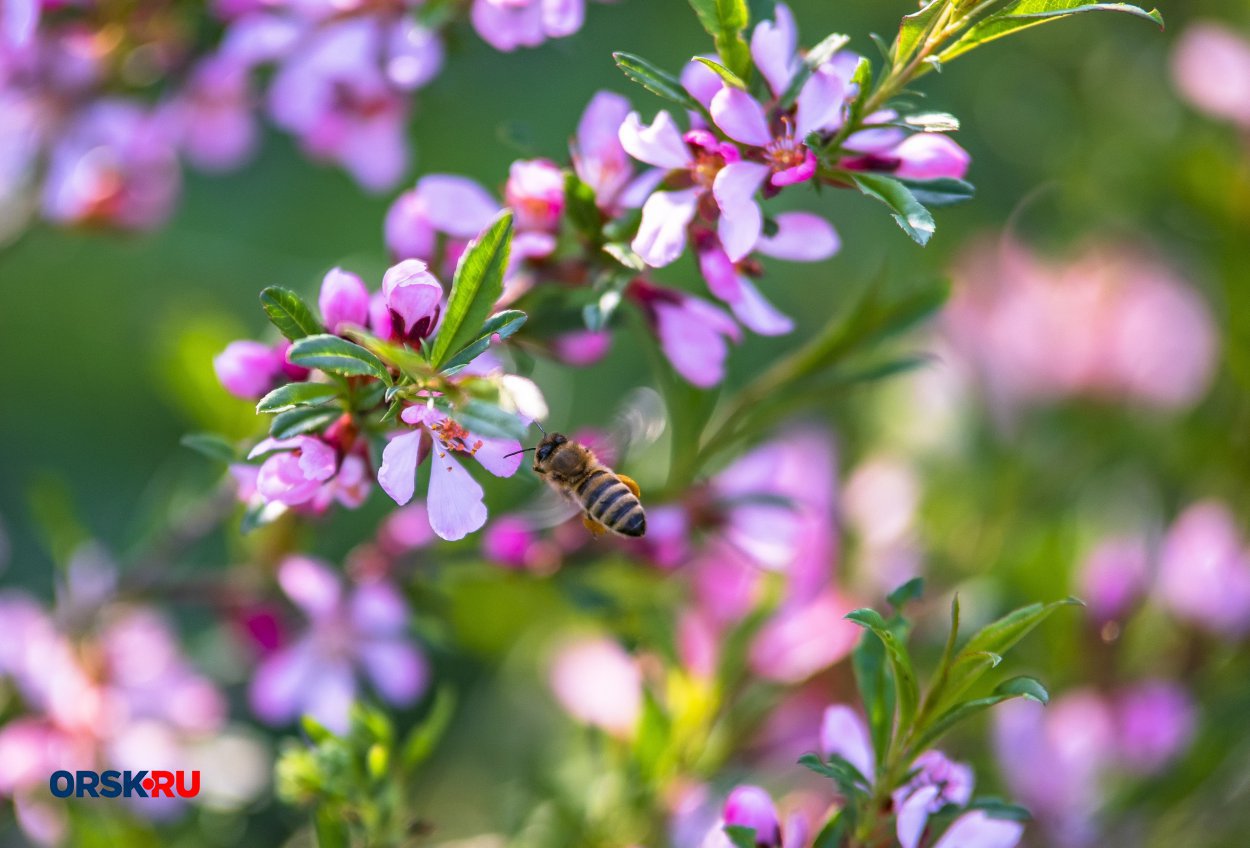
(608, 501)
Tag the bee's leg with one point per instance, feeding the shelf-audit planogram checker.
(596, 529)
(632, 486)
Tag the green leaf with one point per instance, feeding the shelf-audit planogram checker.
(580, 207)
(489, 421)
(1023, 14)
(912, 590)
(426, 735)
(502, 324)
(835, 830)
(336, 355)
(996, 808)
(876, 691)
(296, 394)
(725, 20)
(331, 830)
(839, 769)
(1016, 687)
(905, 686)
(941, 192)
(655, 80)
(913, 29)
(211, 445)
(739, 836)
(721, 71)
(315, 730)
(288, 312)
(986, 647)
(304, 419)
(475, 288)
(915, 220)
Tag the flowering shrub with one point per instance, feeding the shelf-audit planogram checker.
(379, 613)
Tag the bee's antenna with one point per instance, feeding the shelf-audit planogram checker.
(515, 452)
(539, 426)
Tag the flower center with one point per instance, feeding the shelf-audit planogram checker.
(454, 437)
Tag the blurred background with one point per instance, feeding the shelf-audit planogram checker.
(1086, 410)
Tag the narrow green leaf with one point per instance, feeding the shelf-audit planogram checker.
(739, 836)
(211, 445)
(725, 20)
(905, 686)
(296, 394)
(876, 690)
(721, 71)
(304, 419)
(839, 769)
(655, 80)
(941, 192)
(996, 808)
(502, 324)
(475, 288)
(336, 355)
(913, 29)
(915, 220)
(315, 730)
(910, 591)
(489, 421)
(426, 735)
(1028, 13)
(288, 312)
(1024, 687)
(1016, 687)
(580, 207)
(835, 830)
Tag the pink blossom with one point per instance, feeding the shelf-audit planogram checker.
(440, 205)
(343, 301)
(931, 156)
(752, 807)
(308, 472)
(248, 369)
(413, 299)
(727, 281)
(455, 499)
(937, 782)
(693, 334)
(598, 684)
(217, 125)
(535, 192)
(581, 348)
(1156, 722)
(357, 633)
(1204, 570)
(509, 24)
(844, 733)
(600, 160)
(1114, 576)
(1211, 69)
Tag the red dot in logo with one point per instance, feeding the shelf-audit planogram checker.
(148, 783)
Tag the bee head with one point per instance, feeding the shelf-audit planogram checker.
(547, 446)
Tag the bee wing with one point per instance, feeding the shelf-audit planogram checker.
(639, 422)
(550, 509)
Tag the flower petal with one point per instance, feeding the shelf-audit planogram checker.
(757, 314)
(311, 584)
(913, 814)
(661, 235)
(279, 682)
(931, 156)
(820, 102)
(457, 206)
(978, 830)
(660, 144)
(701, 81)
(842, 732)
(773, 46)
(330, 695)
(740, 116)
(800, 237)
(397, 669)
(492, 455)
(397, 476)
(455, 501)
(741, 222)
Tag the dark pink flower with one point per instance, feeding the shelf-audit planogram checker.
(248, 369)
(413, 299)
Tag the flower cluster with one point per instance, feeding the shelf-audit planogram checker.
(353, 413)
(100, 104)
(636, 196)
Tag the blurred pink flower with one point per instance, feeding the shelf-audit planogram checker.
(509, 24)
(439, 205)
(308, 471)
(1211, 69)
(343, 301)
(600, 160)
(248, 369)
(358, 632)
(1155, 719)
(1114, 576)
(535, 192)
(693, 334)
(581, 348)
(1111, 323)
(598, 683)
(217, 125)
(1204, 570)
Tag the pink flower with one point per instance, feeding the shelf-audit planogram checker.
(600, 160)
(844, 733)
(598, 683)
(535, 192)
(248, 369)
(581, 348)
(730, 284)
(455, 498)
(1204, 570)
(115, 165)
(305, 471)
(343, 301)
(693, 334)
(218, 128)
(930, 156)
(1156, 721)
(413, 299)
(1211, 69)
(1114, 576)
(937, 782)
(358, 633)
(509, 24)
(752, 807)
(440, 205)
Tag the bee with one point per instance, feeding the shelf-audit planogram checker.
(608, 501)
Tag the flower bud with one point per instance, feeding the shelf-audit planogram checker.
(535, 191)
(413, 300)
(750, 806)
(343, 300)
(247, 369)
(931, 156)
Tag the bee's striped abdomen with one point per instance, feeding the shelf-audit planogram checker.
(610, 502)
